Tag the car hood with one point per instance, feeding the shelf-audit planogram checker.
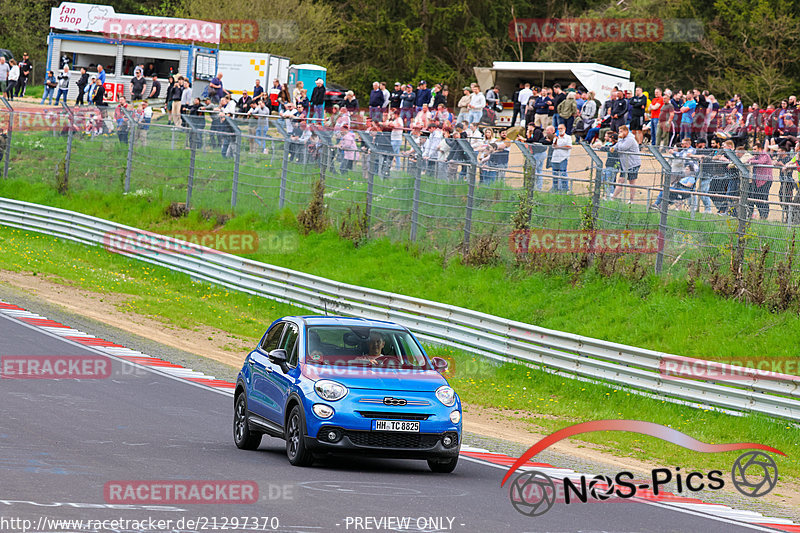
(380, 378)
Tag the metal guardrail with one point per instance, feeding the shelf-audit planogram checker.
(480, 333)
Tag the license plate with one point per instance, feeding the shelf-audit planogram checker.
(397, 425)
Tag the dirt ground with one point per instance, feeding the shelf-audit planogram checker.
(495, 423)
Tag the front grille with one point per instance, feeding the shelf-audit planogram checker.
(394, 416)
(379, 439)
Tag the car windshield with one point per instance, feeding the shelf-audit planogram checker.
(364, 346)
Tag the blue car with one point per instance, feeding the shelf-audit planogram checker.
(331, 385)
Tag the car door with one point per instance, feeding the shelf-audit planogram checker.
(280, 382)
(259, 399)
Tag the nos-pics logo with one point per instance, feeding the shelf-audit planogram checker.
(533, 492)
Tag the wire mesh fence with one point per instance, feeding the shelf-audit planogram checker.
(431, 188)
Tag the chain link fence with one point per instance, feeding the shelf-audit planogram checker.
(436, 191)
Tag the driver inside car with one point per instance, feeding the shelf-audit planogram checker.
(375, 345)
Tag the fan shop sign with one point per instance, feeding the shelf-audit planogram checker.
(103, 19)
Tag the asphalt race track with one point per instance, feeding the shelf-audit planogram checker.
(61, 441)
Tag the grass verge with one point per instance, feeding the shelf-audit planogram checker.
(545, 401)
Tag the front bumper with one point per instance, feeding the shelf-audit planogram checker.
(385, 444)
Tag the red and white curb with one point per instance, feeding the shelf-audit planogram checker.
(478, 454)
(115, 350)
(664, 498)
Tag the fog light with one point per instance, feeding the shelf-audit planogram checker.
(322, 410)
(447, 441)
(455, 417)
(333, 435)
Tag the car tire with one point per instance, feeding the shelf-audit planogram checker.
(296, 439)
(243, 437)
(443, 466)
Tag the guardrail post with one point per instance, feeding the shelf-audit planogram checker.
(70, 133)
(237, 150)
(7, 151)
(742, 214)
(417, 185)
(284, 173)
(663, 207)
(131, 141)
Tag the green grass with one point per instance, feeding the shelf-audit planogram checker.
(545, 401)
(655, 313)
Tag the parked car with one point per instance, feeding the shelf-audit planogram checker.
(339, 385)
(334, 94)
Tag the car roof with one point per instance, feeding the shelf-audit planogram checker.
(322, 320)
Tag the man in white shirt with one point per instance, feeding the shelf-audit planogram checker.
(562, 146)
(474, 136)
(145, 116)
(227, 106)
(524, 95)
(261, 112)
(289, 113)
(476, 104)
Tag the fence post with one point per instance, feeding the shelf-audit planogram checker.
(194, 139)
(471, 176)
(284, 173)
(68, 156)
(597, 179)
(664, 207)
(742, 213)
(237, 139)
(417, 185)
(7, 151)
(131, 141)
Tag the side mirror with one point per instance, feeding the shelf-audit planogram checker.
(439, 364)
(278, 357)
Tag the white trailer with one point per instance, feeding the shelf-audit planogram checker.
(241, 69)
(507, 75)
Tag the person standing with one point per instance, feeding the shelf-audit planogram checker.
(63, 85)
(567, 111)
(50, 85)
(258, 91)
(101, 74)
(155, 89)
(138, 83)
(463, 106)
(82, 82)
(665, 116)
(423, 95)
(558, 97)
(376, 103)
(13, 78)
(394, 99)
(638, 103)
(98, 94)
(408, 105)
(562, 146)
(25, 68)
(317, 101)
(655, 114)
(628, 149)
(521, 102)
(215, 89)
(517, 109)
(476, 104)
(4, 68)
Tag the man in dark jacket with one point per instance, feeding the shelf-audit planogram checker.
(376, 103)
(638, 104)
(517, 107)
(423, 95)
(394, 100)
(82, 82)
(619, 108)
(25, 67)
(318, 101)
(99, 93)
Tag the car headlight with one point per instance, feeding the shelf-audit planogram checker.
(322, 410)
(446, 395)
(455, 417)
(330, 390)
